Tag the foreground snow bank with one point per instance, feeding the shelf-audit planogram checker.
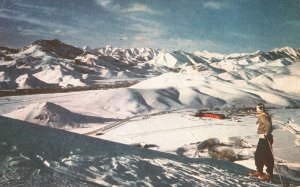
(53, 157)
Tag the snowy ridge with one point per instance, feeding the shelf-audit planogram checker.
(278, 53)
(56, 47)
(128, 55)
(287, 51)
(52, 115)
(211, 56)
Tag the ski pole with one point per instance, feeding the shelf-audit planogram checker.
(274, 159)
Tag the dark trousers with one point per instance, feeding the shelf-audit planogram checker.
(263, 155)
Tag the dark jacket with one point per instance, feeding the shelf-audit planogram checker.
(264, 123)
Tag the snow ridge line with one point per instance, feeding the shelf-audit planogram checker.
(290, 128)
(293, 130)
(109, 127)
(114, 125)
(123, 121)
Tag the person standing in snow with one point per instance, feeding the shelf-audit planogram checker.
(263, 154)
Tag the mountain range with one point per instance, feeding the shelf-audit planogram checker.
(54, 64)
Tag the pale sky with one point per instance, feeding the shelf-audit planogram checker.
(223, 26)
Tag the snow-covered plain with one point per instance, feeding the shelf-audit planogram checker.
(157, 112)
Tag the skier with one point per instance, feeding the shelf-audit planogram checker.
(263, 154)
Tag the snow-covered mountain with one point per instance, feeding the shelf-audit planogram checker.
(56, 64)
(52, 63)
(56, 48)
(275, 54)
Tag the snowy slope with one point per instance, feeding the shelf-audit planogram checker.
(52, 115)
(58, 158)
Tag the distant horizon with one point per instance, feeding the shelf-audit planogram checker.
(147, 47)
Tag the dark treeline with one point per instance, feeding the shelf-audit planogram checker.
(103, 86)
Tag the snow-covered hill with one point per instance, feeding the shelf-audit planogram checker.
(52, 115)
(39, 156)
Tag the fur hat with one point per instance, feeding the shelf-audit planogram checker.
(260, 107)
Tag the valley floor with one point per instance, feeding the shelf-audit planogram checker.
(179, 129)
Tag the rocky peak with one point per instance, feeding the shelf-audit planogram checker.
(59, 48)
